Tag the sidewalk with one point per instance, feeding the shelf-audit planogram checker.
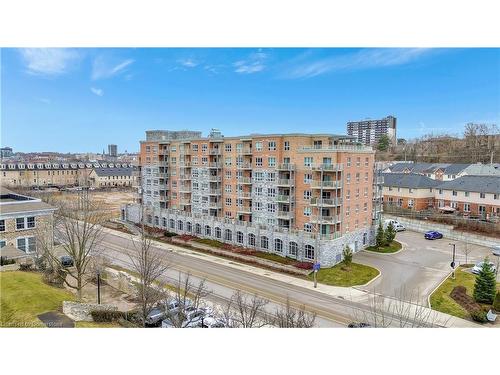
(345, 293)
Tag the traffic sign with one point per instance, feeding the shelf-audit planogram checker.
(452, 264)
(316, 267)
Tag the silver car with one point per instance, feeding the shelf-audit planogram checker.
(479, 267)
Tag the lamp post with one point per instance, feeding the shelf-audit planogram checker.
(98, 287)
(452, 264)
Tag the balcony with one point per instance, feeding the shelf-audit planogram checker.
(244, 195)
(185, 189)
(214, 192)
(215, 151)
(327, 167)
(285, 167)
(244, 180)
(284, 215)
(325, 219)
(244, 166)
(163, 175)
(185, 202)
(215, 165)
(185, 177)
(244, 210)
(284, 198)
(326, 185)
(215, 205)
(185, 164)
(214, 178)
(244, 151)
(325, 202)
(284, 182)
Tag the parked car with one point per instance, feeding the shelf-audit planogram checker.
(210, 321)
(479, 266)
(359, 325)
(155, 316)
(398, 227)
(193, 317)
(496, 250)
(66, 261)
(433, 235)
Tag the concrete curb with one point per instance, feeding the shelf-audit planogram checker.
(436, 288)
(372, 280)
(403, 247)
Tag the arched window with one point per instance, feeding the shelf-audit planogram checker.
(208, 230)
(228, 235)
(197, 229)
(180, 225)
(157, 220)
(278, 245)
(189, 227)
(264, 242)
(309, 250)
(251, 239)
(150, 219)
(365, 238)
(164, 222)
(293, 249)
(239, 237)
(218, 232)
(171, 223)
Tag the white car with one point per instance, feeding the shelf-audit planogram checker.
(496, 250)
(398, 227)
(479, 266)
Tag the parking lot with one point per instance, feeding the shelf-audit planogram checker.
(419, 267)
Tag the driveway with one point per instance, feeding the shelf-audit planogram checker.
(419, 267)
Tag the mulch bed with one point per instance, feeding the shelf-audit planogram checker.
(459, 295)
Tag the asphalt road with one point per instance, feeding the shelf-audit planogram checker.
(420, 267)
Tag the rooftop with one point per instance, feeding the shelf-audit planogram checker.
(478, 184)
(409, 180)
(13, 203)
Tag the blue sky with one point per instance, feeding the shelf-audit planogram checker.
(82, 99)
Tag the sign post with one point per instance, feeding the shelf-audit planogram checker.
(452, 264)
(316, 267)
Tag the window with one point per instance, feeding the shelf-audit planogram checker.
(271, 192)
(227, 162)
(27, 244)
(278, 245)
(358, 161)
(482, 195)
(227, 147)
(20, 223)
(348, 194)
(348, 178)
(218, 232)
(410, 190)
(466, 193)
(366, 165)
(454, 193)
(258, 162)
(308, 227)
(307, 194)
(410, 203)
(307, 211)
(197, 228)
(194, 147)
(293, 249)
(208, 230)
(2, 225)
(228, 235)
(271, 162)
(271, 207)
(349, 161)
(228, 202)
(307, 178)
(189, 226)
(309, 251)
(264, 242)
(357, 177)
(347, 210)
(308, 160)
(271, 145)
(180, 225)
(258, 146)
(239, 237)
(2, 243)
(365, 206)
(157, 220)
(287, 146)
(251, 239)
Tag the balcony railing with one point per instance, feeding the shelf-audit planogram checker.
(244, 195)
(215, 165)
(214, 178)
(214, 192)
(185, 201)
(245, 209)
(326, 202)
(284, 182)
(244, 180)
(244, 151)
(284, 198)
(215, 205)
(326, 219)
(244, 166)
(285, 215)
(326, 184)
(215, 151)
(337, 148)
(327, 167)
(286, 167)
(185, 177)
(185, 189)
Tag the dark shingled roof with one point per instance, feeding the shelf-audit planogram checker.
(478, 184)
(104, 172)
(429, 167)
(409, 180)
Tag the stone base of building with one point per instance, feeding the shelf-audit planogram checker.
(294, 244)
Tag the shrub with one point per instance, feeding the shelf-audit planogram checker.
(347, 255)
(106, 315)
(390, 234)
(496, 304)
(169, 234)
(303, 265)
(380, 237)
(4, 261)
(479, 315)
(25, 267)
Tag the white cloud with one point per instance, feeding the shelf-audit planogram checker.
(253, 64)
(364, 59)
(188, 63)
(49, 61)
(105, 68)
(98, 92)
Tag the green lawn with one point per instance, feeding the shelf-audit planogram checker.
(97, 325)
(392, 248)
(274, 257)
(441, 300)
(357, 274)
(209, 242)
(24, 296)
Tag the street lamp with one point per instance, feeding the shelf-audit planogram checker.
(452, 264)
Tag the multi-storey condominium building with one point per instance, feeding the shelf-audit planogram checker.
(369, 131)
(292, 194)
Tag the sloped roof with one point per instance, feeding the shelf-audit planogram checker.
(455, 168)
(105, 172)
(478, 184)
(482, 169)
(429, 167)
(409, 180)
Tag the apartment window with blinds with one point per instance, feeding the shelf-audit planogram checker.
(287, 146)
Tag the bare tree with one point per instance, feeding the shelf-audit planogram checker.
(405, 310)
(244, 311)
(289, 317)
(189, 296)
(467, 251)
(150, 266)
(80, 232)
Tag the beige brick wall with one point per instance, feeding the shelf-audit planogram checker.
(43, 227)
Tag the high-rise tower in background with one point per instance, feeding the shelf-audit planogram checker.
(369, 131)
